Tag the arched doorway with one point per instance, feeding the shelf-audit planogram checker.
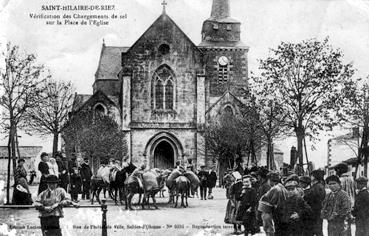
(163, 150)
(163, 155)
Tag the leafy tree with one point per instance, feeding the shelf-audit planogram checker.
(95, 135)
(20, 81)
(51, 113)
(306, 78)
(353, 111)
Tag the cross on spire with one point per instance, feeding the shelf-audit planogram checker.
(164, 3)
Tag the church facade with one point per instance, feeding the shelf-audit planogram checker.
(164, 88)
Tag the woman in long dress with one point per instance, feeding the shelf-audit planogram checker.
(233, 184)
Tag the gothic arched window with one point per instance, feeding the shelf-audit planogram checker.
(163, 92)
(159, 95)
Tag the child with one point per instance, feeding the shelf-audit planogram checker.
(361, 207)
(336, 207)
(53, 167)
(248, 199)
(75, 184)
(50, 203)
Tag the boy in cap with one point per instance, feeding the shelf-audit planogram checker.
(295, 211)
(361, 207)
(50, 203)
(336, 207)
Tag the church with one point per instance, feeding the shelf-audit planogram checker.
(163, 89)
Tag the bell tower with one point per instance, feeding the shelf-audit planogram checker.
(224, 53)
(220, 28)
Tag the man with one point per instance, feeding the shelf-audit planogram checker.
(238, 166)
(190, 166)
(347, 181)
(314, 195)
(50, 203)
(43, 167)
(62, 169)
(86, 175)
(295, 211)
(72, 163)
(203, 176)
(272, 204)
(336, 207)
(361, 207)
(212, 180)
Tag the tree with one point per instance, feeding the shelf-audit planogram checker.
(95, 135)
(307, 79)
(50, 116)
(20, 81)
(230, 136)
(354, 112)
(269, 116)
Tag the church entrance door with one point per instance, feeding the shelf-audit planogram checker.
(164, 155)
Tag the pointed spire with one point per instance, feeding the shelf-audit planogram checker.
(220, 9)
(164, 4)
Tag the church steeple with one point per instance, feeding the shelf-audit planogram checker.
(220, 9)
(220, 29)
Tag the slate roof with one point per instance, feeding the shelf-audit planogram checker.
(25, 151)
(110, 62)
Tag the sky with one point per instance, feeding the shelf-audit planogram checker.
(72, 52)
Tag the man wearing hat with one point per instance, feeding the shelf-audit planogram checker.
(203, 176)
(212, 180)
(86, 175)
(271, 205)
(361, 207)
(50, 203)
(296, 210)
(336, 207)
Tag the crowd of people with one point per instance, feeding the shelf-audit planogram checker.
(291, 205)
(74, 177)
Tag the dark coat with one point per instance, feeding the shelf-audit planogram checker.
(75, 183)
(361, 207)
(43, 167)
(212, 179)
(63, 172)
(264, 188)
(294, 226)
(203, 176)
(85, 172)
(248, 201)
(314, 197)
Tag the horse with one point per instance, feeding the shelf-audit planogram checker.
(182, 187)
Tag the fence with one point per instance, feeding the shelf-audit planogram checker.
(103, 206)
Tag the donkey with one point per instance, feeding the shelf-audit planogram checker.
(116, 186)
(182, 187)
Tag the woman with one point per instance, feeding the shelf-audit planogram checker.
(43, 167)
(234, 191)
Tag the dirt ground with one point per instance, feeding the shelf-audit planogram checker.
(200, 218)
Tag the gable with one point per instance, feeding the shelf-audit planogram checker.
(163, 31)
(227, 99)
(98, 97)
